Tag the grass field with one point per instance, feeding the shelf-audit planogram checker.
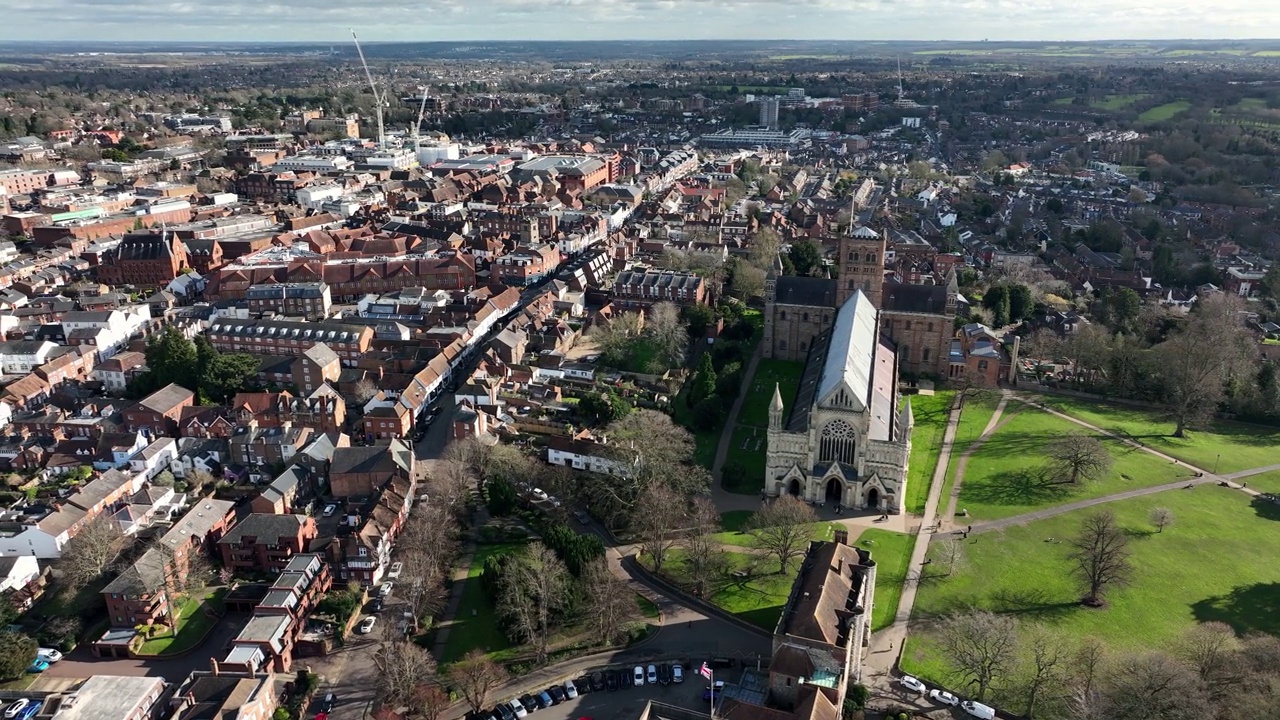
(476, 626)
(785, 374)
(1167, 111)
(930, 414)
(1215, 563)
(974, 417)
(744, 465)
(738, 538)
(1003, 477)
(1222, 447)
(743, 470)
(1117, 102)
(892, 553)
(194, 624)
(1268, 482)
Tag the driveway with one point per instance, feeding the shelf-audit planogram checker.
(81, 663)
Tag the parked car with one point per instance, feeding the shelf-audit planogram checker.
(677, 673)
(326, 705)
(713, 691)
(570, 689)
(652, 676)
(396, 568)
(15, 708)
(582, 516)
(611, 679)
(600, 681)
(544, 700)
(49, 654)
(942, 697)
(557, 694)
(31, 710)
(366, 625)
(386, 588)
(978, 710)
(330, 509)
(626, 679)
(504, 710)
(38, 666)
(664, 674)
(376, 605)
(637, 677)
(911, 684)
(539, 494)
(517, 708)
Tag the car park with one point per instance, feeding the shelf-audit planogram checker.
(366, 625)
(49, 654)
(626, 679)
(651, 676)
(942, 697)
(600, 681)
(677, 673)
(530, 703)
(505, 711)
(15, 708)
(544, 700)
(557, 694)
(611, 679)
(911, 684)
(637, 676)
(570, 689)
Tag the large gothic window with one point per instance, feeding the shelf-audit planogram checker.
(838, 442)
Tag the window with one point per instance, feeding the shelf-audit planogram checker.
(871, 257)
(930, 330)
(982, 365)
(924, 355)
(782, 344)
(908, 327)
(782, 315)
(806, 317)
(363, 551)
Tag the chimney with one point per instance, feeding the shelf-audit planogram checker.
(841, 536)
(213, 662)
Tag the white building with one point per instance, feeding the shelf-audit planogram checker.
(583, 454)
(19, 357)
(154, 458)
(119, 325)
(311, 163)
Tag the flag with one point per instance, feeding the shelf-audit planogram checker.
(705, 671)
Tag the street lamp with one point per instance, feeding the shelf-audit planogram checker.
(1215, 463)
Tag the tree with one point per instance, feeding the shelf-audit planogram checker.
(401, 667)
(422, 584)
(17, 651)
(1212, 650)
(476, 677)
(997, 301)
(1086, 668)
(1074, 459)
(1020, 303)
(703, 384)
(655, 450)
(981, 645)
(1161, 517)
(782, 528)
(1044, 664)
(699, 317)
(171, 358)
(1198, 361)
(1120, 307)
(705, 562)
(747, 281)
(1154, 686)
(616, 337)
(534, 586)
(806, 257)
(92, 551)
(666, 331)
(363, 391)
(764, 248)
(659, 513)
(609, 601)
(430, 700)
(199, 482)
(164, 479)
(951, 552)
(1101, 556)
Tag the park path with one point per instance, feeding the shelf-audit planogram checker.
(459, 581)
(948, 518)
(725, 500)
(886, 645)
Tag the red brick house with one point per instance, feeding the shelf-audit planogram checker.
(160, 412)
(147, 259)
(266, 542)
(267, 641)
(356, 472)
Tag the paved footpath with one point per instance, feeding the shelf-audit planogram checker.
(725, 500)
(963, 462)
(886, 645)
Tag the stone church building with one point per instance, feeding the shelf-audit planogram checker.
(846, 438)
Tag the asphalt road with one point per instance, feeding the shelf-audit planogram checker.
(81, 663)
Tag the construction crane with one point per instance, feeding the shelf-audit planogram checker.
(378, 98)
(417, 126)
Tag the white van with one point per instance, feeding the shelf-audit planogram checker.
(978, 710)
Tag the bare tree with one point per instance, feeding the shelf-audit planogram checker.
(1161, 517)
(704, 559)
(1101, 556)
(476, 676)
(1198, 360)
(364, 390)
(659, 514)
(981, 645)
(93, 551)
(666, 330)
(401, 667)
(1153, 687)
(783, 528)
(952, 554)
(534, 587)
(199, 482)
(1086, 668)
(655, 451)
(1212, 649)
(1045, 665)
(431, 531)
(616, 337)
(429, 700)
(422, 584)
(610, 602)
(1074, 459)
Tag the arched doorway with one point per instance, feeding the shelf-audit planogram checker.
(873, 499)
(835, 491)
(793, 487)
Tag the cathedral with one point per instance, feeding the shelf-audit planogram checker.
(846, 436)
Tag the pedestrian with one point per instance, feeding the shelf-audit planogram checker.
(968, 529)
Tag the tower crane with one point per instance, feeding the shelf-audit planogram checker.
(379, 99)
(417, 126)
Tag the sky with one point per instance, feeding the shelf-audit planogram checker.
(424, 20)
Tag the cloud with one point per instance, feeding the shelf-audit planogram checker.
(328, 20)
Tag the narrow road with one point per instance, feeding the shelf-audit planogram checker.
(886, 645)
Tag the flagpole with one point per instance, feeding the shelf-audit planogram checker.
(713, 692)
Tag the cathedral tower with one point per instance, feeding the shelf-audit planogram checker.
(861, 264)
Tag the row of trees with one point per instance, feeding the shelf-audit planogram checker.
(1209, 672)
(652, 342)
(195, 365)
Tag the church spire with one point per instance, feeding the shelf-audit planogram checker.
(775, 409)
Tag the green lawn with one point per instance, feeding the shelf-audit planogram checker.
(194, 624)
(930, 414)
(647, 608)
(1117, 102)
(892, 554)
(1268, 482)
(974, 417)
(1003, 477)
(738, 538)
(743, 470)
(757, 597)
(1167, 111)
(1228, 446)
(1217, 562)
(785, 374)
(476, 626)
